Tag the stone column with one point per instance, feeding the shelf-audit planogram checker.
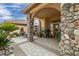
(68, 44)
(29, 28)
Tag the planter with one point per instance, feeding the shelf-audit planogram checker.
(6, 50)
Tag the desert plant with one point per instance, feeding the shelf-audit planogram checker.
(9, 27)
(4, 41)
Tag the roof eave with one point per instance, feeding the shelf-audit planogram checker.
(27, 9)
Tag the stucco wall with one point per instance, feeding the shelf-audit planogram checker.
(25, 28)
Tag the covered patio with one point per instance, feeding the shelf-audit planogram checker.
(48, 16)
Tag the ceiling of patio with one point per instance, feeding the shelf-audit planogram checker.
(48, 13)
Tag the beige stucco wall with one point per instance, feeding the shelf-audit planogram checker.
(45, 23)
(25, 27)
(42, 23)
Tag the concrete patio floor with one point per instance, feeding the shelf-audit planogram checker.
(40, 47)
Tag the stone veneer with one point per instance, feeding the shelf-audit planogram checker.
(69, 44)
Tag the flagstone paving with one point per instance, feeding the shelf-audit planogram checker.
(49, 42)
(19, 39)
(23, 48)
(35, 50)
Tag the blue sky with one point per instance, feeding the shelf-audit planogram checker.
(12, 11)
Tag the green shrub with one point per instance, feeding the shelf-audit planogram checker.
(4, 41)
(8, 27)
(5, 29)
(58, 36)
(41, 33)
(45, 33)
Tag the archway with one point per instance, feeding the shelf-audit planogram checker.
(48, 14)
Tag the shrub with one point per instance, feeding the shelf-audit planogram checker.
(58, 36)
(41, 33)
(9, 27)
(4, 41)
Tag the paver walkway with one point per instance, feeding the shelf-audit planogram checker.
(23, 47)
(19, 39)
(35, 50)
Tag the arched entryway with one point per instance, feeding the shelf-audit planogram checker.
(48, 16)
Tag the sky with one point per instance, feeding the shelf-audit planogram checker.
(12, 11)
